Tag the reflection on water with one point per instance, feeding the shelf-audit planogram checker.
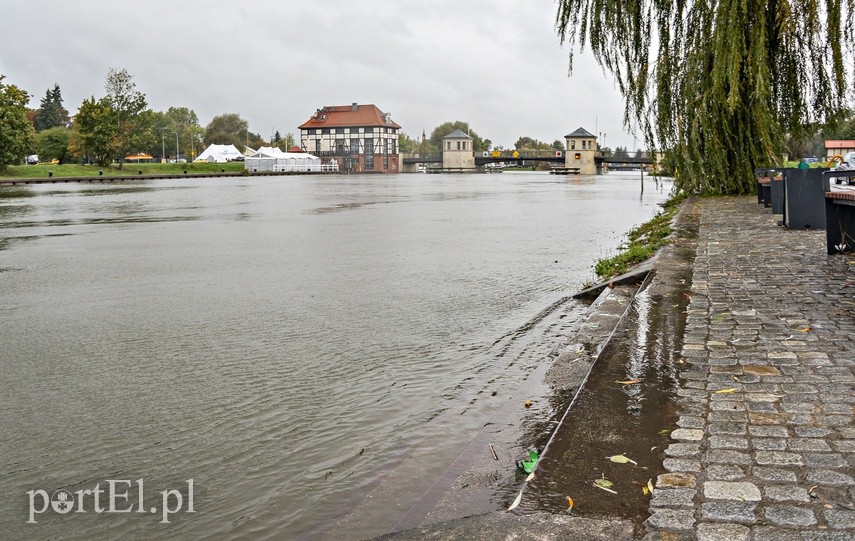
(252, 336)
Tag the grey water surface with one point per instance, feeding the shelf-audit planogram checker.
(279, 341)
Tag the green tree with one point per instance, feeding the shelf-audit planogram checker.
(434, 142)
(52, 144)
(558, 144)
(185, 123)
(16, 132)
(130, 111)
(527, 143)
(286, 142)
(51, 113)
(93, 130)
(718, 83)
(230, 129)
(405, 144)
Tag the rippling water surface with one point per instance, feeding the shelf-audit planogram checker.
(279, 341)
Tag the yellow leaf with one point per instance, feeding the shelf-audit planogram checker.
(569, 502)
(645, 491)
(806, 329)
(722, 391)
(629, 382)
(650, 485)
(622, 459)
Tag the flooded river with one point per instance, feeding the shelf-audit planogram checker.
(245, 357)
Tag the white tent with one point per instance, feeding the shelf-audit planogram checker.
(219, 154)
(273, 159)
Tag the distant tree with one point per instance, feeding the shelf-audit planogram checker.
(185, 123)
(51, 113)
(231, 129)
(527, 143)
(435, 140)
(620, 152)
(52, 144)
(558, 144)
(286, 142)
(276, 137)
(92, 132)
(130, 111)
(16, 132)
(405, 144)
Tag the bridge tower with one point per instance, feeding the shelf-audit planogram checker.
(581, 150)
(457, 151)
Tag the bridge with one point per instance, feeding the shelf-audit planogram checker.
(514, 156)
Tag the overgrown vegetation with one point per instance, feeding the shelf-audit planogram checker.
(642, 242)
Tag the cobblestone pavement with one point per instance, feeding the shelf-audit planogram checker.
(765, 444)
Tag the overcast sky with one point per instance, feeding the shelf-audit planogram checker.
(496, 64)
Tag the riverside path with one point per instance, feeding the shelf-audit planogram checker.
(765, 444)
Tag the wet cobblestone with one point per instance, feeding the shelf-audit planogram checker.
(766, 434)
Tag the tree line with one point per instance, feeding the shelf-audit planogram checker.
(111, 127)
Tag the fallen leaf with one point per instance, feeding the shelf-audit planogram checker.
(806, 329)
(650, 485)
(516, 502)
(629, 382)
(722, 391)
(645, 491)
(602, 487)
(828, 506)
(569, 502)
(664, 431)
(603, 482)
(622, 459)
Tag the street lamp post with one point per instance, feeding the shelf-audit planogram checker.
(162, 147)
(176, 147)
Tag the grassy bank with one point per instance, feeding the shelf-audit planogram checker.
(74, 170)
(642, 242)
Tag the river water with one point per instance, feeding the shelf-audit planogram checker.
(269, 346)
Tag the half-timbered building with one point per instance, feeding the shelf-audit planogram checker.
(361, 138)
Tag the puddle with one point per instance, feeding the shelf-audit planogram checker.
(610, 418)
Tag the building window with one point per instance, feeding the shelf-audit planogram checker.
(339, 130)
(317, 146)
(369, 154)
(394, 146)
(386, 162)
(354, 146)
(572, 144)
(325, 131)
(369, 130)
(340, 146)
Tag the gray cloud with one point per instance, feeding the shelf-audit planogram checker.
(498, 65)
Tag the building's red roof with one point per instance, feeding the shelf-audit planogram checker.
(295, 148)
(840, 143)
(343, 116)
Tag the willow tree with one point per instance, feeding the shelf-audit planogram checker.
(720, 83)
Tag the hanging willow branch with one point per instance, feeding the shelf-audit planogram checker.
(719, 84)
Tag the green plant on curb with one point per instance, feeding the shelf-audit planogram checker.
(643, 241)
